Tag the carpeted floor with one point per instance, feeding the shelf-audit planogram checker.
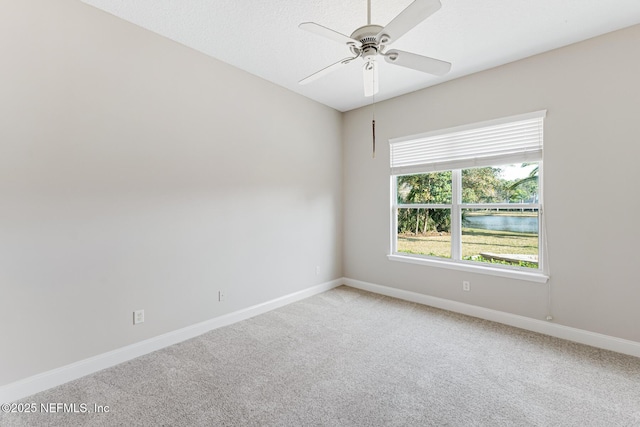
(352, 358)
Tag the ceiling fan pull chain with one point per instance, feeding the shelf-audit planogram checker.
(373, 129)
(373, 125)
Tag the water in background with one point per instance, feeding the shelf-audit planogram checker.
(522, 224)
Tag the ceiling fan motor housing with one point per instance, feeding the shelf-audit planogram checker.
(367, 36)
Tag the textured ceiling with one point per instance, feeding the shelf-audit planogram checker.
(263, 38)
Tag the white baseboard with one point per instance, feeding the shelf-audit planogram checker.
(37, 383)
(581, 336)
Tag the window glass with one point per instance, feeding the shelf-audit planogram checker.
(501, 236)
(501, 184)
(432, 188)
(497, 215)
(424, 232)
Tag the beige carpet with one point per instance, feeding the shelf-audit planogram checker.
(352, 358)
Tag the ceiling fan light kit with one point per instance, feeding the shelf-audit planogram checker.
(369, 41)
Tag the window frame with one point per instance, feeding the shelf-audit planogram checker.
(539, 275)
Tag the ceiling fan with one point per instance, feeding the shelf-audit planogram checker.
(369, 41)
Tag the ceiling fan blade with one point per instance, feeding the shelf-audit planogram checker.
(370, 78)
(325, 71)
(318, 29)
(418, 62)
(414, 14)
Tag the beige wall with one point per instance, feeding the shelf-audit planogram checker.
(592, 146)
(138, 174)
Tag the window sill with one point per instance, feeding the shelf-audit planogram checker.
(537, 277)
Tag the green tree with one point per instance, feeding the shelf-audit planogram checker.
(432, 187)
(483, 185)
(525, 188)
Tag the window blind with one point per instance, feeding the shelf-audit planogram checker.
(508, 140)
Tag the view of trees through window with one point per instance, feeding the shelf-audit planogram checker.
(497, 209)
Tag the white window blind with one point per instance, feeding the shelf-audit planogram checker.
(503, 141)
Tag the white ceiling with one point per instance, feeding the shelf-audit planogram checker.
(263, 38)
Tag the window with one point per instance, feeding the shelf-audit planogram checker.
(471, 198)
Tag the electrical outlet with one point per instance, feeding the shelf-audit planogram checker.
(466, 286)
(221, 296)
(138, 317)
(317, 270)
